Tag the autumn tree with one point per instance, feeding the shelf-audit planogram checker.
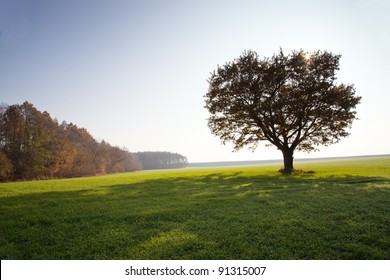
(292, 101)
(27, 141)
(34, 146)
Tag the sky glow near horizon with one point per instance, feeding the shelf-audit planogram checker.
(134, 73)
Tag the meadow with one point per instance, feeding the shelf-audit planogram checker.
(341, 211)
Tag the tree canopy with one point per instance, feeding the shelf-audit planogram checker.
(35, 146)
(292, 101)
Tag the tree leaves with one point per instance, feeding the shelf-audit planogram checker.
(34, 146)
(292, 101)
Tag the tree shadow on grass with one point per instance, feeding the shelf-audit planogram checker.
(216, 216)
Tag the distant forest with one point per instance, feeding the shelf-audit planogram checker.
(35, 146)
(161, 160)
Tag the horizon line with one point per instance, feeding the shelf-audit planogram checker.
(295, 159)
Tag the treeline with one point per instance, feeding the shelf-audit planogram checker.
(35, 146)
(161, 160)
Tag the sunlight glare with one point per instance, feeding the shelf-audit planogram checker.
(307, 56)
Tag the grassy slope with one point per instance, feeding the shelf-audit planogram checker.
(340, 212)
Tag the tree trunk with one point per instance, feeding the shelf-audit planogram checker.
(288, 161)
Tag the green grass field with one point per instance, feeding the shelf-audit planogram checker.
(342, 211)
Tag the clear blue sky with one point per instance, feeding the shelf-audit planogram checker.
(134, 72)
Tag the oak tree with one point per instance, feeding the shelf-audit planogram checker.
(292, 101)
